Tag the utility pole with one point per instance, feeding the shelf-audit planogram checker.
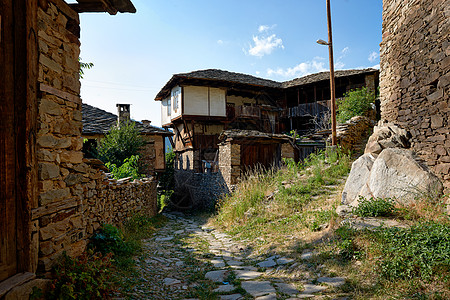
(332, 83)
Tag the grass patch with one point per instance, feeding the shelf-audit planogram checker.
(285, 210)
(269, 206)
(378, 207)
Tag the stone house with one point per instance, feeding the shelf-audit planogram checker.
(201, 104)
(97, 122)
(52, 198)
(415, 77)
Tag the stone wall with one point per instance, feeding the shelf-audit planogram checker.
(230, 163)
(415, 78)
(74, 196)
(353, 134)
(147, 155)
(202, 189)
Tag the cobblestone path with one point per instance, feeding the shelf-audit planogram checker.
(187, 260)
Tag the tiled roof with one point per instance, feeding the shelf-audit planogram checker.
(324, 76)
(250, 134)
(232, 77)
(98, 121)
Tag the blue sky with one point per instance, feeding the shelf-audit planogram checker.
(136, 54)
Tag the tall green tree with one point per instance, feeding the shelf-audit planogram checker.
(355, 103)
(120, 143)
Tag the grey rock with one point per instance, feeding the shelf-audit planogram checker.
(267, 297)
(224, 288)
(231, 297)
(332, 281)
(284, 261)
(312, 288)
(218, 263)
(164, 239)
(247, 275)
(171, 281)
(287, 288)
(258, 288)
(357, 178)
(396, 173)
(267, 263)
(216, 276)
(306, 255)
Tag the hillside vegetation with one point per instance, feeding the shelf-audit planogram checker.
(291, 211)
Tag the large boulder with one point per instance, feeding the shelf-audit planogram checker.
(358, 177)
(396, 173)
(387, 135)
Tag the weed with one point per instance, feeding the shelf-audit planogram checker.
(110, 239)
(422, 251)
(375, 207)
(86, 277)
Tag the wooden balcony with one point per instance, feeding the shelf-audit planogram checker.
(307, 109)
(247, 112)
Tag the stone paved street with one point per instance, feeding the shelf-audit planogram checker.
(188, 260)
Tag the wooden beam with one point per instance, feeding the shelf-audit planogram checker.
(94, 6)
(188, 132)
(66, 10)
(26, 112)
(179, 135)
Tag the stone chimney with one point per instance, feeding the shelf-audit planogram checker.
(123, 110)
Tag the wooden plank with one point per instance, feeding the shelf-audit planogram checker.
(54, 207)
(25, 118)
(61, 94)
(15, 281)
(8, 262)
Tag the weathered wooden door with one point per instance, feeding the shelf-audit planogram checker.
(265, 155)
(8, 221)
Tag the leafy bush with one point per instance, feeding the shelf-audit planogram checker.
(166, 182)
(86, 277)
(422, 251)
(110, 239)
(120, 143)
(129, 168)
(355, 103)
(378, 207)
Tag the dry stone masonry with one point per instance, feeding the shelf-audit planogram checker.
(75, 197)
(415, 77)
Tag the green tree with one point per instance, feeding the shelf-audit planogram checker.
(84, 66)
(120, 143)
(355, 103)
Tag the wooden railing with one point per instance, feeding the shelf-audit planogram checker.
(248, 111)
(307, 109)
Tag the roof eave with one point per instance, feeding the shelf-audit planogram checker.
(110, 6)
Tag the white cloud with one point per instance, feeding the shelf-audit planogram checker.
(257, 72)
(265, 45)
(220, 42)
(339, 64)
(373, 56)
(302, 69)
(263, 28)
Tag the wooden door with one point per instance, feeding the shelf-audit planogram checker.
(8, 221)
(252, 155)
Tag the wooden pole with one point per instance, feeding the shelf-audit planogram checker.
(332, 84)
